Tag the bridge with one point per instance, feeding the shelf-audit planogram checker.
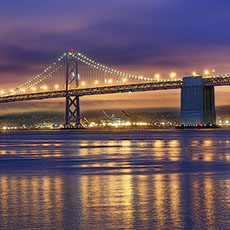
(74, 75)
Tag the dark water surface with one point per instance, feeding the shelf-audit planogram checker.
(161, 179)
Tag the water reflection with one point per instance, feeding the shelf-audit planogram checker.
(173, 149)
(151, 180)
(159, 201)
(31, 202)
(119, 156)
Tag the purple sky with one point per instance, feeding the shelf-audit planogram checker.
(142, 37)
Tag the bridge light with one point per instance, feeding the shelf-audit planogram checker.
(56, 86)
(12, 91)
(140, 77)
(83, 83)
(33, 89)
(213, 70)
(206, 72)
(157, 76)
(23, 90)
(173, 74)
(96, 82)
(110, 81)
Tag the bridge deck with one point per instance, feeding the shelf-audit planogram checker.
(95, 91)
(217, 81)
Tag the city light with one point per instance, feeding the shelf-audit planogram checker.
(223, 122)
(119, 124)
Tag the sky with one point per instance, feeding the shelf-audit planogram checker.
(140, 37)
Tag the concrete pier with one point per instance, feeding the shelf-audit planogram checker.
(197, 103)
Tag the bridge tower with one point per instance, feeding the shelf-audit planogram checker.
(197, 103)
(72, 111)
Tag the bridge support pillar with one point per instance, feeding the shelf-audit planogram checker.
(197, 103)
(72, 111)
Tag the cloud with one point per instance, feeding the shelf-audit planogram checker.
(117, 33)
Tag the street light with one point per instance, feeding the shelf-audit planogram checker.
(173, 74)
(44, 87)
(157, 76)
(56, 86)
(124, 80)
(194, 73)
(206, 72)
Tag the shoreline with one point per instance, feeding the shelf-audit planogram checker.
(111, 129)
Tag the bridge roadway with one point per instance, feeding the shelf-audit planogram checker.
(94, 91)
(157, 85)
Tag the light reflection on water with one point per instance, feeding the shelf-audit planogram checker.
(127, 180)
(161, 149)
(110, 201)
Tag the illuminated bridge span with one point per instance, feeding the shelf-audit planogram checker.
(94, 91)
(74, 75)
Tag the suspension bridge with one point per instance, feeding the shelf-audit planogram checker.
(74, 75)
